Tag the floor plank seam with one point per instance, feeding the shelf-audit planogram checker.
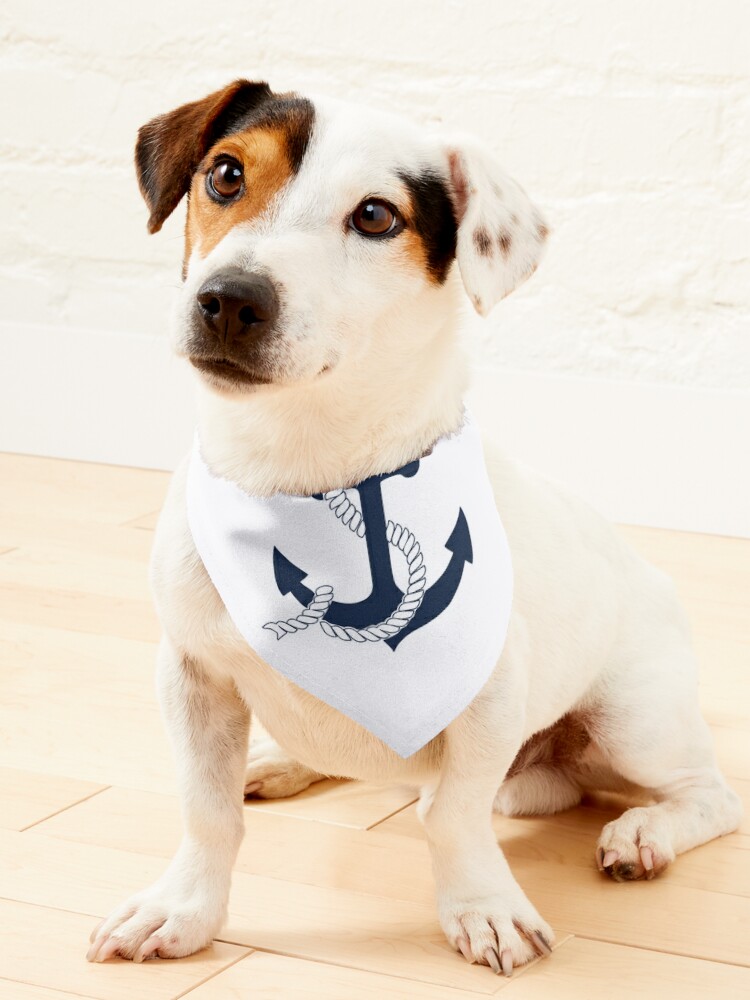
(248, 951)
(56, 989)
(131, 521)
(394, 813)
(666, 951)
(71, 805)
(330, 963)
(65, 909)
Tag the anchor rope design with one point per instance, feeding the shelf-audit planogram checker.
(346, 511)
(398, 536)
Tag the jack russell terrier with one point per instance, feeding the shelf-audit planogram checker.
(320, 309)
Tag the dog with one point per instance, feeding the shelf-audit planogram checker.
(327, 251)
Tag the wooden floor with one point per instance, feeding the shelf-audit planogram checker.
(332, 895)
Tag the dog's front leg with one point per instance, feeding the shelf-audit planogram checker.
(484, 912)
(183, 910)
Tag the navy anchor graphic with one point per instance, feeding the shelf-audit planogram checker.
(385, 594)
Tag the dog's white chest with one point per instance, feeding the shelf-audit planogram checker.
(389, 601)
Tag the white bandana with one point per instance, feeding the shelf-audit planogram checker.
(389, 601)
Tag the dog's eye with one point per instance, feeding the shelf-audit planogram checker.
(374, 217)
(224, 182)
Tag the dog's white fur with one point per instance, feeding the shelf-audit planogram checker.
(594, 631)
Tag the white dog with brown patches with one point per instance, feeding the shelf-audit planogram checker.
(320, 309)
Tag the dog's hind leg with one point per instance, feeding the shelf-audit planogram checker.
(541, 779)
(540, 790)
(652, 733)
(272, 774)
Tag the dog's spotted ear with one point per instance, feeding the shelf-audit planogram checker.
(170, 147)
(501, 234)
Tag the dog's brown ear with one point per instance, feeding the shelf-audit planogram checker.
(500, 232)
(170, 147)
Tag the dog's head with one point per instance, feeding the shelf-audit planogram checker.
(319, 231)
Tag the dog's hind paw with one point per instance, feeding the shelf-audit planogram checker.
(636, 845)
(273, 774)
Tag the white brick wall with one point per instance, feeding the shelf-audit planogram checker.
(628, 121)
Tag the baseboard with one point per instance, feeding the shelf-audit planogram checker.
(650, 454)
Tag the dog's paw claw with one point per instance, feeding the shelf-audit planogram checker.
(647, 860)
(491, 958)
(541, 943)
(506, 962)
(492, 933)
(463, 946)
(149, 949)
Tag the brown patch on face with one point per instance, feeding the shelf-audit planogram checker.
(504, 241)
(411, 248)
(482, 242)
(172, 147)
(542, 231)
(263, 153)
(429, 237)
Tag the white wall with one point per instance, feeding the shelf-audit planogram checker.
(628, 122)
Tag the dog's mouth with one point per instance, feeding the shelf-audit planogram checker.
(226, 371)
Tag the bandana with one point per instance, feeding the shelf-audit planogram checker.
(388, 600)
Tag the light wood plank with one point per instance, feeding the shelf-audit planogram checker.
(708, 565)
(26, 991)
(32, 528)
(147, 522)
(276, 915)
(70, 703)
(27, 798)
(53, 566)
(570, 892)
(68, 733)
(584, 968)
(358, 804)
(570, 838)
(732, 751)
(82, 491)
(79, 611)
(712, 576)
(276, 977)
(275, 846)
(391, 860)
(339, 926)
(45, 948)
(76, 617)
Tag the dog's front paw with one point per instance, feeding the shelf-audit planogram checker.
(497, 931)
(156, 924)
(273, 774)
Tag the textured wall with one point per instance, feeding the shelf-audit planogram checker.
(628, 122)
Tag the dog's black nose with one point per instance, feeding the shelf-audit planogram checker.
(233, 304)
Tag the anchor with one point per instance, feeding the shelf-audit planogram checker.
(385, 594)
